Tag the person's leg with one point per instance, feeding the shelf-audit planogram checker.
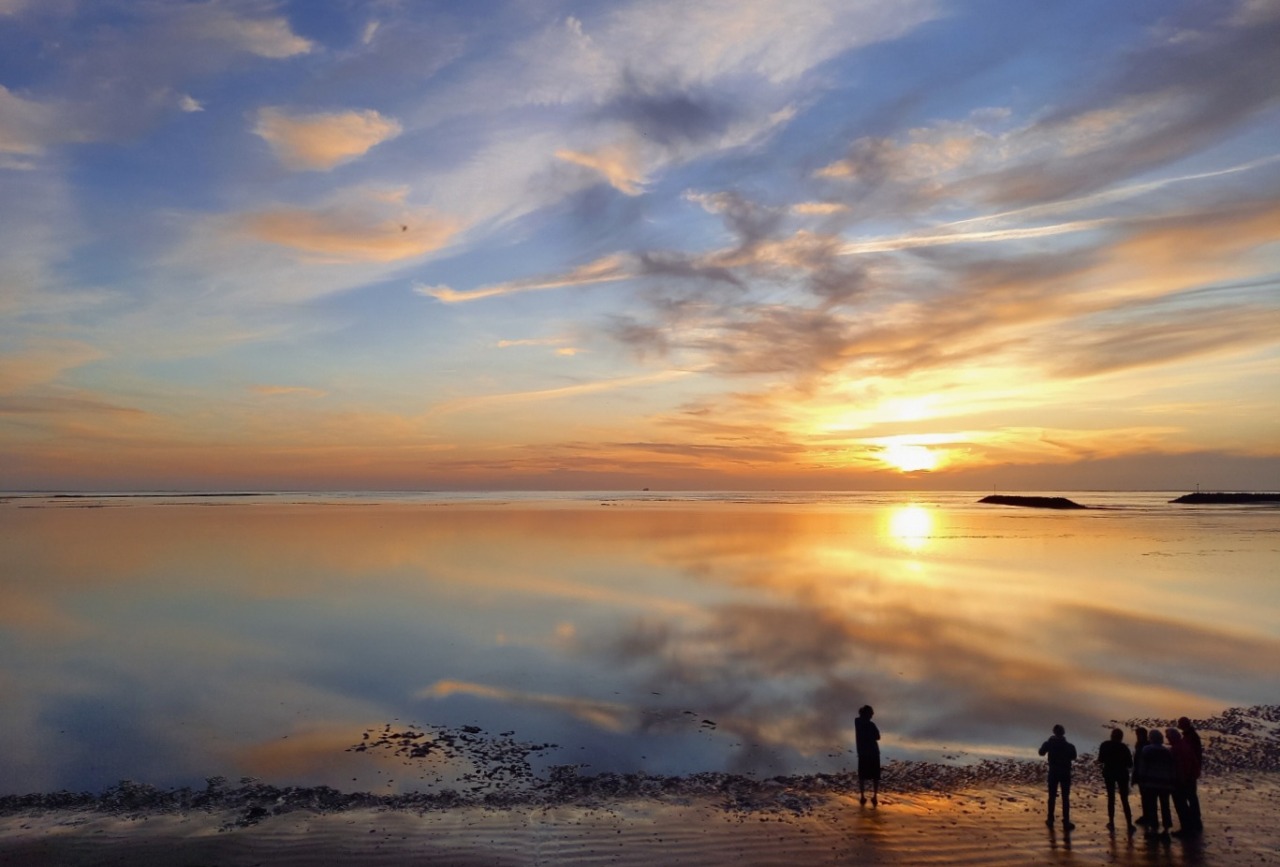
(1149, 809)
(1164, 811)
(1053, 798)
(1180, 807)
(1193, 801)
(862, 789)
(1124, 801)
(1111, 801)
(1066, 802)
(875, 791)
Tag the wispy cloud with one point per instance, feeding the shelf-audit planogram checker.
(604, 270)
(566, 391)
(287, 391)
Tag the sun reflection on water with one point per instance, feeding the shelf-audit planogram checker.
(911, 526)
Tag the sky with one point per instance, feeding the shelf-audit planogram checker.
(857, 244)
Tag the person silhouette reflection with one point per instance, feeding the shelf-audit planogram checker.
(867, 741)
(1061, 754)
(1116, 760)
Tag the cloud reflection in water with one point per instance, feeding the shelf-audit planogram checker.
(174, 642)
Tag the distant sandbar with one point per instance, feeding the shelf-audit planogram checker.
(1227, 498)
(1032, 502)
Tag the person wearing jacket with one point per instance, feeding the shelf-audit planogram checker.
(1061, 753)
(1186, 766)
(1115, 760)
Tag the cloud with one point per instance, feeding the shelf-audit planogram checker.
(559, 345)
(565, 391)
(42, 361)
(319, 142)
(819, 209)
(667, 116)
(245, 26)
(603, 270)
(27, 127)
(113, 83)
(609, 716)
(1172, 98)
(188, 103)
(287, 391)
(358, 226)
(615, 164)
(755, 37)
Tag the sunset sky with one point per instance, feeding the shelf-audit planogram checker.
(857, 244)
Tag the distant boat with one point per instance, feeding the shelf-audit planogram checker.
(1227, 498)
(1032, 502)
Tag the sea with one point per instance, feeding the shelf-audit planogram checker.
(170, 638)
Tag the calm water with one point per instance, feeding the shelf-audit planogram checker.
(167, 639)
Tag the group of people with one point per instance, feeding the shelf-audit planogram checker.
(1163, 765)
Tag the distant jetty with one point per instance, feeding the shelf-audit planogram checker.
(1032, 502)
(1227, 498)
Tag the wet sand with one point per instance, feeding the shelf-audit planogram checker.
(990, 826)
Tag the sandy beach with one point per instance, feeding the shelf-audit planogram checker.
(990, 826)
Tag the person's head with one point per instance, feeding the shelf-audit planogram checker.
(1141, 734)
(1173, 736)
(1155, 737)
(1059, 731)
(865, 711)
(1185, 724)
(1117, 735)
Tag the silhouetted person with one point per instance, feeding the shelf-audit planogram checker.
(1116, 761)
(1158, 774)
(1061, 754)
(867, 740)
(1191, 736)
(1140, 742)
(1186, 770)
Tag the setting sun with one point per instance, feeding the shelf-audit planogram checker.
(908, 458)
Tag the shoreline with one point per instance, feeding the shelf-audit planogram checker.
(986, 812)
(994, 825)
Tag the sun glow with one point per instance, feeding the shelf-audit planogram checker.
(911, 526)
(909, 458)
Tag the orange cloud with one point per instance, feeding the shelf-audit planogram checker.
(42, 361)
(617, 166)
(363, 228)
(319, 142)
(607, 715)
(282, 390)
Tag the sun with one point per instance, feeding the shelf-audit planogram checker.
(909, 459)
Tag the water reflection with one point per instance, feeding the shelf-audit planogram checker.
(911, 526)
(170, 643)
